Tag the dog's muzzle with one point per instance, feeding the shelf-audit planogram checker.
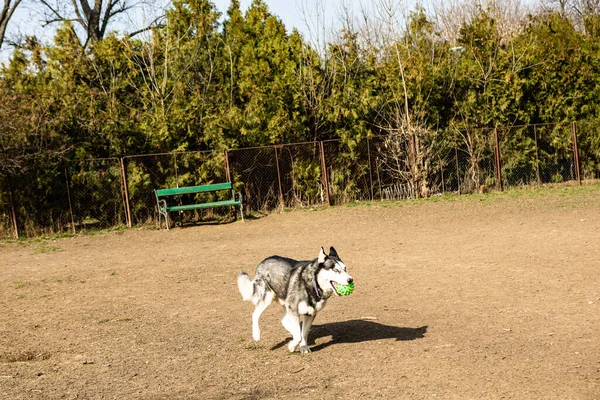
(335, 284)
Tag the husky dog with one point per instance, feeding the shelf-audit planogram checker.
(302, 287)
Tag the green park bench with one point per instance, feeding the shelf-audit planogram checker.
(163, 194)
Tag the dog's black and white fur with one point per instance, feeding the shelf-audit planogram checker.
(302, 287)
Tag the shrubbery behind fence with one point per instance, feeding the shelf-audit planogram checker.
(54, 196)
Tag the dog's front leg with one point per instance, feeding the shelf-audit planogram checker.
(306, 324)
(291, 323)
(305, 309)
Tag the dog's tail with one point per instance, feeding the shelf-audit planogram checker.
(245, 285)
(252, 290)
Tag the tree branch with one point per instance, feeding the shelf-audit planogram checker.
(109, 13)
(84, 6)
(147, 28)
(55, 12)
(5, 16)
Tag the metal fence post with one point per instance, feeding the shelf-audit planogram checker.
(281, 204)
(442, 172)
(537, 156)
(227, 165)
(69, 198)
(176, 172)
(324, 173)
(576, 153)
(457, 169)
(370, 167)
(378, 178)
(125, 192)
(13, 211)
(498, 165)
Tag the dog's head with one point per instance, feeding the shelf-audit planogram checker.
(332, 271)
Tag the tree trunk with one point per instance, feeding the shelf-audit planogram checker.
(5, 15)
(93, 21)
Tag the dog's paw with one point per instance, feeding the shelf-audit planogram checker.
(292, 346)
(305, 309)
(256, 335)
(304, 349)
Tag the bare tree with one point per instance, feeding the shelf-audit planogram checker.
(579, 11)
(411, 145)
(587, 7)
(314, 17)
(94, 17)
(5, 15)
(315, 76)
(451, 15)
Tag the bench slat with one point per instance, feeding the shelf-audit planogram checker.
(193, 189)
(204, 205)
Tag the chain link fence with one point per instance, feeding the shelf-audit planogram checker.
(349, 170)
(538, 154)
(95, 194)
(35, 201)
(588, 145)
(254, 174)
(51, 195)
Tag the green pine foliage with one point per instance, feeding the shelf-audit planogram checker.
(212, 82)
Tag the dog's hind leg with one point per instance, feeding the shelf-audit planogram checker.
(292, 324)
(306, 324)
(260, 307)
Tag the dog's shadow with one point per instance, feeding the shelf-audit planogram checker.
(357, 331)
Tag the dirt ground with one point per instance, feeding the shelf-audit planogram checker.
(479, 297)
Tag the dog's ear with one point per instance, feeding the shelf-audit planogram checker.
(332, 252)
(321, 258)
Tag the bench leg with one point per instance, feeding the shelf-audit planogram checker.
(163, 214)
(241, 204)
(166, 218)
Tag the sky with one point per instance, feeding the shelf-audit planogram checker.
(300, 14)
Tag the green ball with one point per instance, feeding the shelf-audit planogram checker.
(345, 290)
